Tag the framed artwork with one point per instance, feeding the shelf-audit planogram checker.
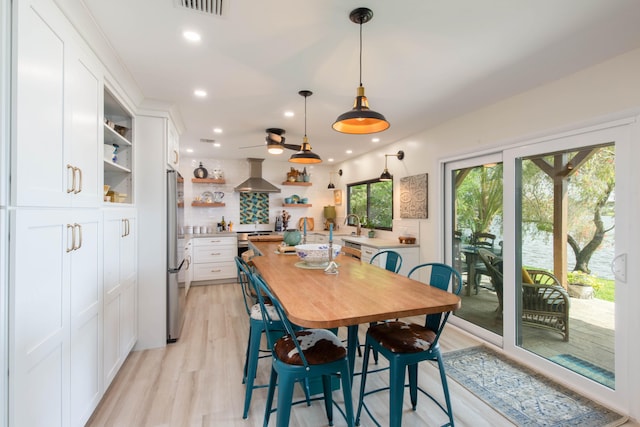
(337, 197)
(414, 199)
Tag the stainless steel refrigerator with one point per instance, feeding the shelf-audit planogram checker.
(176, 297)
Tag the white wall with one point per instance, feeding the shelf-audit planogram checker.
(594, 95)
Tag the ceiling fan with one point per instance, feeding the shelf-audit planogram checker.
(274, 141)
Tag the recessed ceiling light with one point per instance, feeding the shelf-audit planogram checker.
(217, 130)
(330, 160)
(289, 114)
(216, 144)
(192, 36)
(189, 150)
(349, 151)
(200, 93)
(375, 140)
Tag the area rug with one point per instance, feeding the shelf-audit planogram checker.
(523, 396)
(587, 369)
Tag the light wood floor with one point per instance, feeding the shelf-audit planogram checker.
(198, 380)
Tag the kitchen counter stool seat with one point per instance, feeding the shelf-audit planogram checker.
(405, 345)
(299, 356)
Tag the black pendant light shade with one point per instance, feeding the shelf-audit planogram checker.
(386, 176)
(361, 119)
(305, 155)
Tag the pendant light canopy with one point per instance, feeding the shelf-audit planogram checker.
(305, 155)
(361, 119)
(386, 176)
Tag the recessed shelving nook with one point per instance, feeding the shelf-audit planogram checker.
(118, 149)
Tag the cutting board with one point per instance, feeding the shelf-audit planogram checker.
(309, 223)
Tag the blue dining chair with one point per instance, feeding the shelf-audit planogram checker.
(405, 345)
(299, 356)
(256, 329)
(393, 260)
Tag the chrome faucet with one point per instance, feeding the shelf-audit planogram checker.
(358, 228)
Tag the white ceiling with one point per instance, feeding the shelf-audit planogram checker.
(424, 61)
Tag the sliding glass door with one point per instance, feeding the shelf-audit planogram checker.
(556, 299)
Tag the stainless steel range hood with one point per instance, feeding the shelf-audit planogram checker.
(255, 183)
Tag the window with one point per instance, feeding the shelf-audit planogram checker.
(372, 202)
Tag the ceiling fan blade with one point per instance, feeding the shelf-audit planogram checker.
(293, 147)
(252, 146)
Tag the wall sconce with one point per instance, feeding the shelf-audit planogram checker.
(386, 176)
(331, 186)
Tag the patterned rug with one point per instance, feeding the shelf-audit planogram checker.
(586, 369)
(523, 396)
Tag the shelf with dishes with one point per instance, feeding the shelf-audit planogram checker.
(298, 183)
(297, 205)
(197, 204)
(208, 181)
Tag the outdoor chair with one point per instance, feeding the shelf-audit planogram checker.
(545, 303)
(407, 344)
(484, 241)
(301, 355)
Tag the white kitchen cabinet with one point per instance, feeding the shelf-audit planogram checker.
(214, 257)
(120, 285)
(410, 253)
(173, 146)
(58, 112)
(56, 329)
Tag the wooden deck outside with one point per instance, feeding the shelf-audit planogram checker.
(591, 328)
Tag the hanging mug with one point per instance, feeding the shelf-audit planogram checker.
(218, 196)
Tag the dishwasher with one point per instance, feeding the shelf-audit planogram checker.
(367, 252)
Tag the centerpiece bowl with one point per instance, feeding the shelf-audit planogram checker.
(316, 254)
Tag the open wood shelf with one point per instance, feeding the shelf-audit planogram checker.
(208, 181)
(207, 205)
(297, 205)
(300, 184)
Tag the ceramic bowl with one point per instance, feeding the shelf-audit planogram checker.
(316, 254)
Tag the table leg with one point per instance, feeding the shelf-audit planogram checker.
(352, 346)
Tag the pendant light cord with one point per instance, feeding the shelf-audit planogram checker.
(305, 116)
(361, 52)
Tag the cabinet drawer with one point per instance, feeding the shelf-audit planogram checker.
(215, 241)
(214, 253)
(368, 253)
(214, 270)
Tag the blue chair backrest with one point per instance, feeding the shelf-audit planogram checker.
(393, 261)
(263, 290)
(442, 275)
(244, 273)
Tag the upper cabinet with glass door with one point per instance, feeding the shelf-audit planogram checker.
(118, 151)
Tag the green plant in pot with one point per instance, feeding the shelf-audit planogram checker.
(368, 223)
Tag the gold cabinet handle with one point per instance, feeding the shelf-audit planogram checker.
(176, 156)
(124, 228)
(73, 179)
(79, 189)
(216, 271)
(73, 238)
(215, 253)
(79, 228)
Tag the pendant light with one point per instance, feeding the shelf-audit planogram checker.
(305, 155)
(386, 176)
(331, 185)
(361, 119)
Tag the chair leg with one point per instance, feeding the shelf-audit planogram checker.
(445, 388)
(253, 354)
(396, 393)
(347, 394)
(273, 380)
(328, 398)
(413, 384)
(285, 398)
(363, 382)
(246, 357)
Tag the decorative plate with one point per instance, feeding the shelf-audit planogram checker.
(295, 198)
(206, 197)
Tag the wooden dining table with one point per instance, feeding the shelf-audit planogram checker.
(360, 293)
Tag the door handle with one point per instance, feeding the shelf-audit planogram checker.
(73, 179)
(73, 238)
(77, 227)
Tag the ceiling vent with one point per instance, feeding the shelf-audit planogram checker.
(210, 7)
